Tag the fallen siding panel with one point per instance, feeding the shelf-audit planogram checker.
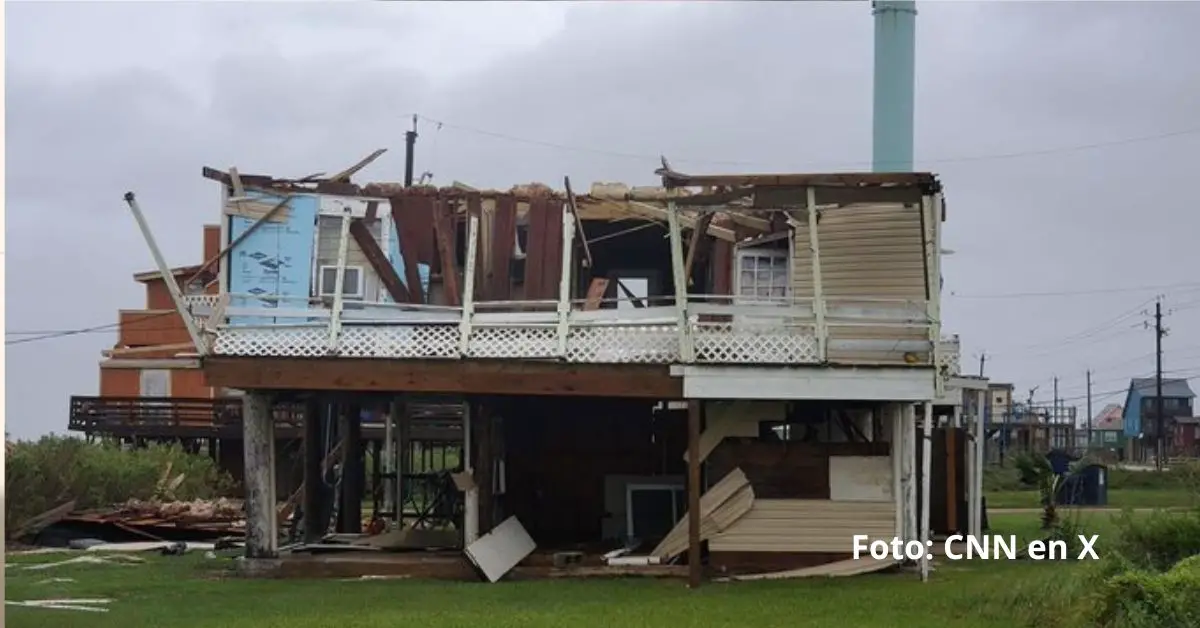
(721, 506)
(795, 525)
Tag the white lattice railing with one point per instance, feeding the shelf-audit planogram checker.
(779, 331)
(949, 356)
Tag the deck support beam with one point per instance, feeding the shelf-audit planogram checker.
(471, 495)
(312, 505)
(695, 410)
(980, 463)
(926, 483)
(258, 433)
(353, 467)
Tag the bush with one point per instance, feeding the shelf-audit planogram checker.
(42, 474)
(1185, 475)
(997, 478)
(1159, 600)
(1157, 540)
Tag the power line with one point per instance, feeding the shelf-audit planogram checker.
(52, 335)
(1069, 293)
(645, 156)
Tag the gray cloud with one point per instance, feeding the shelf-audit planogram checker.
(108, 97)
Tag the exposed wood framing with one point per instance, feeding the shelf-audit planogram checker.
(643, 381)
(379, 261)
(504, 234)
(443, 227)
(818, 304)
(699, 245)
(595, 294)
(239, 190)
(688, 222)
(408, 218)
(587, 252)
(483, 247)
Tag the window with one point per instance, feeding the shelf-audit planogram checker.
(352, 282)
(762, 274)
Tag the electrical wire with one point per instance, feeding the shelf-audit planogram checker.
(643, 156)
(52, 335)
(1186, 286)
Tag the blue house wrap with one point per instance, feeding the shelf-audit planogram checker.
(275, 259)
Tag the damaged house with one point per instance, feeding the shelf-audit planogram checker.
(730, 372)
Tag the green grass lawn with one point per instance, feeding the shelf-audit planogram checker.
(1117, 498)
(177, 592)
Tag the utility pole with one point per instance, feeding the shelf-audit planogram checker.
(982, 361)
(1054, 406)
(410, 143)
(1089, 409)
(1158, 399)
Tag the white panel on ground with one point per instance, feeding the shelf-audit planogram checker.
(498, 551)
(860, 478)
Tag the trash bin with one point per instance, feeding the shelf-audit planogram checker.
(1094, 479)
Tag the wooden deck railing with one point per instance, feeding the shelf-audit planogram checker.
(174, 417)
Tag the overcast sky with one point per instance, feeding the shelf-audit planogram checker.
(104, 98)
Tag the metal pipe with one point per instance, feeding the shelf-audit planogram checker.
(168, 278)
(894, 84)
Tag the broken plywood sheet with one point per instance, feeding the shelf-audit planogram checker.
(256, 209)
(721, 506)
(498, 551)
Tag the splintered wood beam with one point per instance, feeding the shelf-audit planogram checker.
(379, 261)
(595, 294)
(408, 215)
(699, 246)
(761, 225)
(238, 189)
(443, 228)
(344, 176)
(685, 222)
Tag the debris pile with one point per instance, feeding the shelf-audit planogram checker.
(221, 510)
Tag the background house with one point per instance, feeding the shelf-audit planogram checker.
(1140, 408)
(1107, 430)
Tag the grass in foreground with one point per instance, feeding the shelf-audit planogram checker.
(178, 592)
(1117, 498)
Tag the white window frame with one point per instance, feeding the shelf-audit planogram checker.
(630, 488)
(744, 254)
(359, 285)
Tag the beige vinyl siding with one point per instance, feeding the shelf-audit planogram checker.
(867, 253)
(329, 231)
(806, 525)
